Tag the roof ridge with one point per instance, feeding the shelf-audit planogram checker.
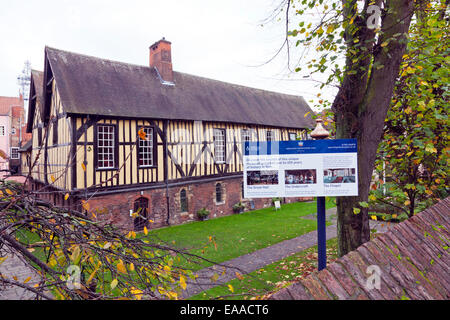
(177, 72)
(239, 85)
(98, 58)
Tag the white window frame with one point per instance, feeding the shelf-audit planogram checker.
(219, 145)
(292, 134)
(106, 146)
(245, 135)
(17, 153)
(146, 148)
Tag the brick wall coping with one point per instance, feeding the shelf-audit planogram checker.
(412, 260)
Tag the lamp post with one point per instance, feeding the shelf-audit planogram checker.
(319, 133)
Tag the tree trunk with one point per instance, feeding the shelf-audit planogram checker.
(360, 109)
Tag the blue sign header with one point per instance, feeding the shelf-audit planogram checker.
(300, 147)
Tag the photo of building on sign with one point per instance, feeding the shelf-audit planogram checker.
(345, 175)
(308, 176)
(262, 177)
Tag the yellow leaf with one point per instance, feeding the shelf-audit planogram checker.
(136, 292)
(121, 267)
(91, 277)
(75, 254)
(9, 192)
(306, 114)
(373, 217)
(239, 276)
(231, 288)
(66, 196)
(27, 279)
(132, 266)
(52, 177)
(114, 284)
(330, 29)
(384, 44)
(183, 282)
(85, 205)
(407, 203)
(394, 216)
(83, 166)
(145, 230)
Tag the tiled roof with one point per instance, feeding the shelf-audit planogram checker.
(412, 257)
(7, 102)
(89, 85)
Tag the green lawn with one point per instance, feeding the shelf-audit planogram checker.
(239, 234)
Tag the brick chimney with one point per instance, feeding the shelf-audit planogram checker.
(161, 59)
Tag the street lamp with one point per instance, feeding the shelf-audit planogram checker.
(320, 133)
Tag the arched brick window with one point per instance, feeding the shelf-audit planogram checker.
(183, 201)
(219, 192)
(141, 207)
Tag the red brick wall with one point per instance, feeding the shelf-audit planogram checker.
(116, 207)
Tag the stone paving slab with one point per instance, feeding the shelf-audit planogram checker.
(13, 266)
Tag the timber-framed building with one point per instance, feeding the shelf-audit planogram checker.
(87, 117)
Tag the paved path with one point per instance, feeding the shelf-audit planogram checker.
(13, 266)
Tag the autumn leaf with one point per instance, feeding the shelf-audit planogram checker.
(66, 196)
(76, 255)
(52, 177)
(85, 205)
(27, 279)
(114, 284)
(230, 287)
(215, 277)
(239, 276)
(373, 217)
(142, 134)
(145, 230)
(121, 267)
(3, 154)
(137, 293)
(183, 282)
(83, 166)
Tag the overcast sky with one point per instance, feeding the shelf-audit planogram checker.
(222, 40)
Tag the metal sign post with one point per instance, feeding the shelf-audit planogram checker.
(318, 133)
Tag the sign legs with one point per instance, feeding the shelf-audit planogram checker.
(321, 234)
